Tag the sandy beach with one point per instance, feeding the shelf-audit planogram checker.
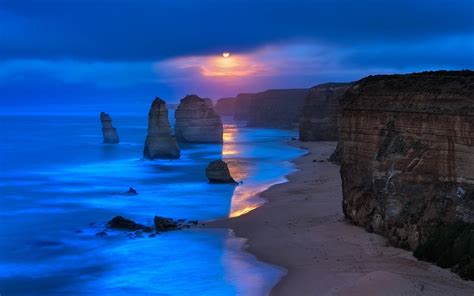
(301, 227)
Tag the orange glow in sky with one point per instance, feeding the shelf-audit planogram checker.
(225, 65)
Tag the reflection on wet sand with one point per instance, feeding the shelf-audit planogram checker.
(245, 197)
(253, 283)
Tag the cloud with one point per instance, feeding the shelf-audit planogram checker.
(146, 30)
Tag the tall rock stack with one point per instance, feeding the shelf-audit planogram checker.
(408, 163)
(160, 143)
(319, 116)
(197, 122)
(108, 131)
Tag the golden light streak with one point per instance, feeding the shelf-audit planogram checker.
(232, 66)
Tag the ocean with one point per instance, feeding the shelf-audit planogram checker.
(59, 185)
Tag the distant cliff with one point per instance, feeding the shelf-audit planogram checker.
(271, 108)
(225, 106)
(319, 115)
(407, 145)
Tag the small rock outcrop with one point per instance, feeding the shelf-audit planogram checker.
(197, 122)
(164, 224)
(218, 172)
(319, 115)
(131, 191)
(108, 131)
(407, 151)
(119, 222)
(160, 143)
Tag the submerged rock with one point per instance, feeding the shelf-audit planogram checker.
(197, 122)
(108, 131)
(119, 222)
(164, 224)
(131, 191)
(218, 172)
(160, 143)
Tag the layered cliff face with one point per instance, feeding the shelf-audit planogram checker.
(197, 122)
(109, 132)
(319, 116)
(225, 106)
(159, 142)
(407, 144)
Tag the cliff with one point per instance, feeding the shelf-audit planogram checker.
(159, 142)
(225, 106)
(272, 108)
(109, 132)
(242, 106)
(407, 146)
(319, 116)
(197, 122)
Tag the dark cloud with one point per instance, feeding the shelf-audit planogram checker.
(155, 30)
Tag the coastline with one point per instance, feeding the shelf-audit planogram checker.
(301, 228)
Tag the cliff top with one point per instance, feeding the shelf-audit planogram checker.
(450, 92)
(331, 84)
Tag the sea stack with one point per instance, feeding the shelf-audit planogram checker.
(197, 122)
(160, 143)
(408, 163)
(108, 131)
(218, 172)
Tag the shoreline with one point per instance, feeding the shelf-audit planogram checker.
(302, 229)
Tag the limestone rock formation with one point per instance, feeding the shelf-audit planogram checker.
(225, 106)
(242, 106)
(209, 102)
(108, 131)
(319, 117)
(197, 122)
(218, 172)
(160, 143)
(278, 108)
(408, 162)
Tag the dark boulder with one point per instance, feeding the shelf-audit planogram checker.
(218, 172)
(119, 222)
(164, 224)
(131, 191)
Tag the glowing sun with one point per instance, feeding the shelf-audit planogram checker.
(226, 54)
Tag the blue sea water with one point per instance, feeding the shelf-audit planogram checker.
(59, 185)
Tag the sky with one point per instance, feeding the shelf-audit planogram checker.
(84, 55)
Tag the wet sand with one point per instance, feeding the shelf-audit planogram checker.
(301, 227)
